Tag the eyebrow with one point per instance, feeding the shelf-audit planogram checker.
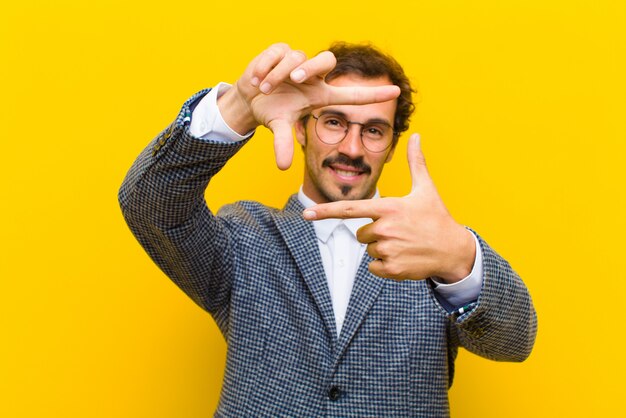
(344, 116)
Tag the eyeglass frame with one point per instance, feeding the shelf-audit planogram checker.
(348, 123)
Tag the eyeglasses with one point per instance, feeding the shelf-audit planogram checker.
(331, 129)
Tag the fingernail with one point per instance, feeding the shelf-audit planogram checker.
(266, 87)
(309, 214)
(298, 75)
(255, 81)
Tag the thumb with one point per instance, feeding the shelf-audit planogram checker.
(417, 163)
(283, 142)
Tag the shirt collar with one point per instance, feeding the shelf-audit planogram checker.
(325, 227)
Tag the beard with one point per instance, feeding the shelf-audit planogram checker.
(343, 159)
(329, 191)
(327, 188)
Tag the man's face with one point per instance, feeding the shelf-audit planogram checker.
(345, 171)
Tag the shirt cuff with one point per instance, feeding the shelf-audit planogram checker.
(468, 289)
(207, 122)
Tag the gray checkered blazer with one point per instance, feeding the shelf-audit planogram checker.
(258, 272)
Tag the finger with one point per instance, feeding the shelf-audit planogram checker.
(282, 70)
(377, 267)
(385, 269)
(266, 61)
(360, 95)
(318, 66)
(283, 143)
(417, 163)
(372, 250)
(366, 235)
(344, 209)
(381, 250)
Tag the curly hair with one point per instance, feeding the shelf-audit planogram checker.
(367, 61)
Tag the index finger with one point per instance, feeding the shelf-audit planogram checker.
(345, 209)
(318, 66)
(357, 95)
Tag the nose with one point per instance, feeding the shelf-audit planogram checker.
(351, 145)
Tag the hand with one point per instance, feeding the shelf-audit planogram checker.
(280, 86)
(412, 237)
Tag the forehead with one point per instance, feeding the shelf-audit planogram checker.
(384, 110)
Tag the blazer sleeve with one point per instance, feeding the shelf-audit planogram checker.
(503, 323)
(162, 200)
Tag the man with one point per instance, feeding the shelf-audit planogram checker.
(340, 316)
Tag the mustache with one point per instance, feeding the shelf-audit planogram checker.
(343, 159)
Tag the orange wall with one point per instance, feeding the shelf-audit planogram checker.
(522, 118)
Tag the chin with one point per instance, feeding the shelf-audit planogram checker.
(346, 192)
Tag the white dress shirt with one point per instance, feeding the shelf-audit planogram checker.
(341, 256)
(341, 252)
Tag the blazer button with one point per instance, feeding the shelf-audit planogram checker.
(170, 130)
(334, 393)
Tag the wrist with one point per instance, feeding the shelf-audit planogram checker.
(236, 111)
(462, 257)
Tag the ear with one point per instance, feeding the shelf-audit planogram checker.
(300, 132)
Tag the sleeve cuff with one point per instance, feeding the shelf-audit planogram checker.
(207, 122)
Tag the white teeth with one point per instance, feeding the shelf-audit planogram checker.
(347, 173)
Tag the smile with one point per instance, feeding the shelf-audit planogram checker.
(346, 170)
(345, 173)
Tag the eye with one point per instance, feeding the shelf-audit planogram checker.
(333, 122)
(374, 131)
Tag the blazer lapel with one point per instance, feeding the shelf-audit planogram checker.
(366, 289)
(299, 235)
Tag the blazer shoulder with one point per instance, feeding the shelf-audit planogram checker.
(249, 215)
